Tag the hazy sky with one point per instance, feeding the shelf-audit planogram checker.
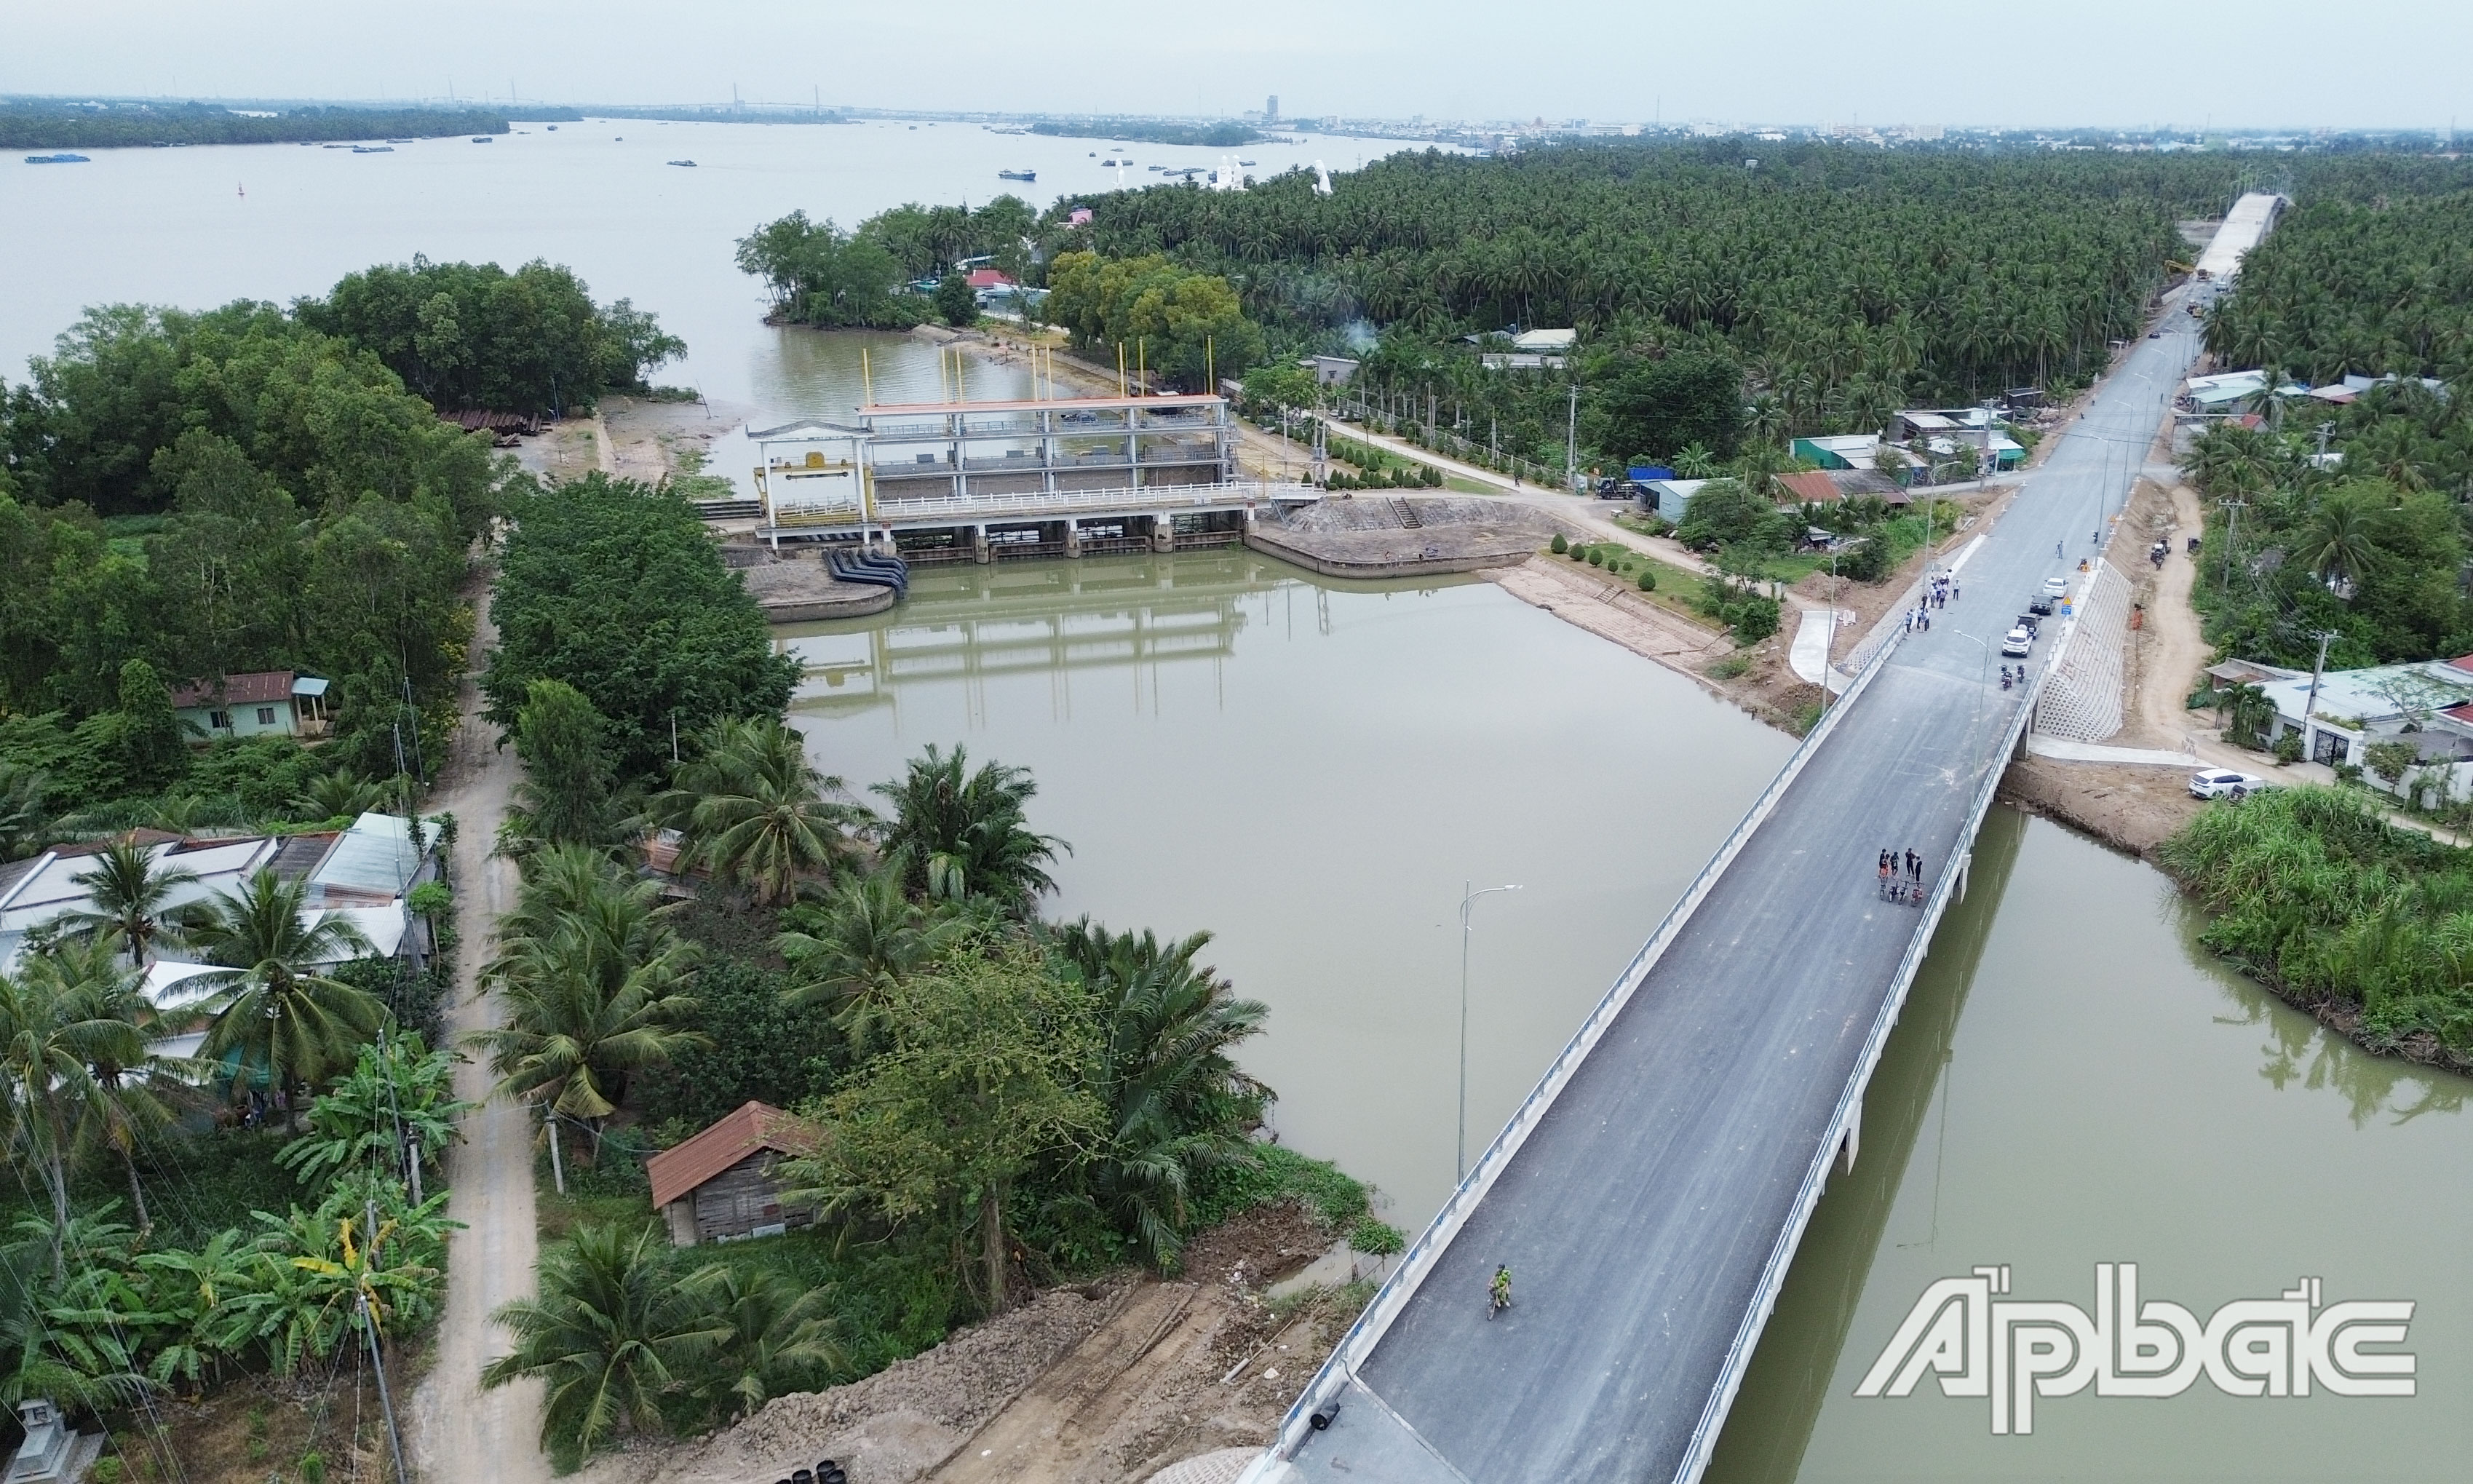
(2365, 63)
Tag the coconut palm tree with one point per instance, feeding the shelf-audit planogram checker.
(24, 816)
(131, 892)
(590, 995)
(1177, 1103)
(756, 813)
(608, 1338)
(340, 792)
(762, 1334)
(849, 950)
(275, 1005)
(53, 1032)
(963, 834)
(2339, 545)
(127, 1095)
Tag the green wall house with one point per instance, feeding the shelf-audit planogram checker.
(253, 705)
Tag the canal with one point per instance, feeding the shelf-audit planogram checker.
(1312, 770)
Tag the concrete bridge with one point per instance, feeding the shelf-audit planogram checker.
(1650, 1193)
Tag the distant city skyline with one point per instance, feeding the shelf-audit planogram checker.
(2101, 63)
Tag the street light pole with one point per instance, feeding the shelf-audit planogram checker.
(1467, 903)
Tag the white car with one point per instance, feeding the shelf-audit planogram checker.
(2056, 587)
(2224, 784)
(2016, 643)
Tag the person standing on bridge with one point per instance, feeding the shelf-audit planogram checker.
(1499, 1292)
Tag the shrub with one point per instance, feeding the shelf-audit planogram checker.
(1597, 558)
(2391, 758)
(1647, 579)
(1560, 545)
(1866, 561)
(2288, 747)
(1756, 618)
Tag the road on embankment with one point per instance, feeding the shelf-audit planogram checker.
(1643, 1217)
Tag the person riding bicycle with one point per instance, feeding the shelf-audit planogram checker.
(1499, 1292)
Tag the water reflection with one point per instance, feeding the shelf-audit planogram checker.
(1771, 1423)
(972, 623)
(2301, 1054)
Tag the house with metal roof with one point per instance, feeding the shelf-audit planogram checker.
(725, 1185)
(253, 705)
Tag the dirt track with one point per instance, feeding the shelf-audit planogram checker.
(457, 1431)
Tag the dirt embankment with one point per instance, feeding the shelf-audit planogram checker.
(1105, 1384)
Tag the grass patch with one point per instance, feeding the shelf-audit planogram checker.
(1675, 586)
(1463, 485)
(1340, 1202)
(1729, 667)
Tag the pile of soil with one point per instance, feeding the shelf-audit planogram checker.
(895, 1426)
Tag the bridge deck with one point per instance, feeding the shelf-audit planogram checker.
(1648, 1212)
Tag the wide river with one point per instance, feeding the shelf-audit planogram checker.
(1315, 771)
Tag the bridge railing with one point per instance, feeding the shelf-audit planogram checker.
(1850, 1103)
(969, 509)
(1428, 1249)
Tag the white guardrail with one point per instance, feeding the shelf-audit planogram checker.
(1738, 1355)
(1363, 1335)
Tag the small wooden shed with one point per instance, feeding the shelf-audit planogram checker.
(721, 1185)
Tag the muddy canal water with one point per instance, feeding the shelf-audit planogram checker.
(1312, 771)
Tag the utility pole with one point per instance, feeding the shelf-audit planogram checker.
(1460, 1166)
(2232, 523)
(557, 1163)
(1571, 442)
(386, 1403)
(2324, 429)
(2311, 707)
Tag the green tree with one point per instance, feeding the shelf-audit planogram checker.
(565, 796)
(761, 1335)
(851, 949)
(475, 335)
(277, 1007)
(353, 1124)
(756, 813)
(150, 730)
(590, 972)
(613, 588)
(53, 1032)
(962, 834)
(131, 888)
(1683, 401)
(984, 1077)
(955, 302)
(1177, 1104)
(610, 1337)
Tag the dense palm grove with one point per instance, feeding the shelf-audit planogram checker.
(2370, 542)
(2313, 891)
(1003, 1100)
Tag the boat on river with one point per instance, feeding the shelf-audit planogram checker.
(480, 138)
(688, 163)
(1016, 174)
(373, 149)
(59, 159)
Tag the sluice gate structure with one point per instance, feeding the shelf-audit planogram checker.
(984, 481)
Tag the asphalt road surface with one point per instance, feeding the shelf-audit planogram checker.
(1640, 1214)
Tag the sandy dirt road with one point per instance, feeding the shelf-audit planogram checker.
(459, 1432)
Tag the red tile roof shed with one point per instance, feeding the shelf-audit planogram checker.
(753, 1126)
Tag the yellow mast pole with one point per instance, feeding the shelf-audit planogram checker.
(1120, 367)
(866, 377)
(1141, 370)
